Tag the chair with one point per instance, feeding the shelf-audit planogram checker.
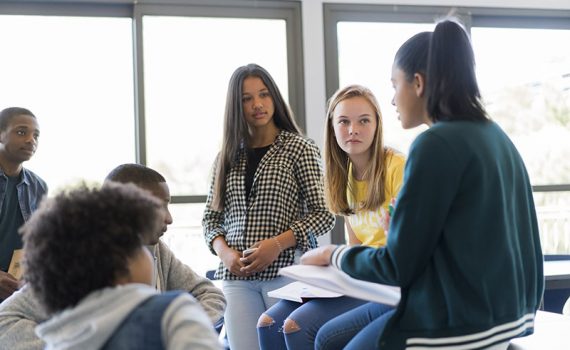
(219, 326)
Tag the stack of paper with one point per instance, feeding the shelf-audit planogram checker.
(297, 291)
(334, 280)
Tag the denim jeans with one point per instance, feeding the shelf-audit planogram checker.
(309, 316)
(246, 301)
(356, 329)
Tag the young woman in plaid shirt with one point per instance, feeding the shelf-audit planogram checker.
(266, 193)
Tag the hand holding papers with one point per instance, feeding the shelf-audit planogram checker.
(15, 268)
(331, 279)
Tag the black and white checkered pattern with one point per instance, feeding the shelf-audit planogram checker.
(287, 193)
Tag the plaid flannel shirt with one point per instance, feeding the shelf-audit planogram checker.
(287, 193)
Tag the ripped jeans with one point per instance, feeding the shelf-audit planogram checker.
(308, 318)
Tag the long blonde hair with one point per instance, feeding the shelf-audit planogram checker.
(337, 161)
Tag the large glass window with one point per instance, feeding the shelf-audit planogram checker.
(186, 75)
(186, 79)
(121, 82)
(76, 75)
(527, 91)
(524, 75)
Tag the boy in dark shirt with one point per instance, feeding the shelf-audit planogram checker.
(20, 189)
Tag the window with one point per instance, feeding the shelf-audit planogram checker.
(184, 75)
(526, 87)
(186, 79)
(527, 92)
(76, 75)
(119, 82)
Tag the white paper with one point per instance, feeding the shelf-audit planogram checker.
(296, 291)
(334, 280)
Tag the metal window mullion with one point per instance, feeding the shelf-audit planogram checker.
(138, 57)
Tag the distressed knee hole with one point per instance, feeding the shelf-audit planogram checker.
(290, 326)
(265, 321)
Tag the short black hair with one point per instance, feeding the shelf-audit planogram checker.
(135, 173)
(7, 114)
(80, 241)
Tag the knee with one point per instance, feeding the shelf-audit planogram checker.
(265, 321)
(290, 326)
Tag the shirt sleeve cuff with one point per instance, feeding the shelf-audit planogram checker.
(336, 256)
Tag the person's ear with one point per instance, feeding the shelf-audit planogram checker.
(419, 84)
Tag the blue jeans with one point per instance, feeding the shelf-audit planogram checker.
(309, 316)
(246, 301)
(356, 329)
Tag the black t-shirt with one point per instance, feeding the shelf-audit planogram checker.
(10, 221)
(254, 156)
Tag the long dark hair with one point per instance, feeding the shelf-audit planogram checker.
(445, 58)
(235, 126)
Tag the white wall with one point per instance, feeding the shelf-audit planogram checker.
(313, 46)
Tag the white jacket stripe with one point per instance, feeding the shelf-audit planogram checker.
(476, 340)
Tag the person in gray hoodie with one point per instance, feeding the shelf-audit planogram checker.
(20, 313)
(104, 298)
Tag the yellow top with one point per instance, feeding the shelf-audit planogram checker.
(366, 224)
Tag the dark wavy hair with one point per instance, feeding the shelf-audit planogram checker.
(445, 58)
(81, 241)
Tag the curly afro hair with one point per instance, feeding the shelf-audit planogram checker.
(81, 241)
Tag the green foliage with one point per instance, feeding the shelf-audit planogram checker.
(557, 105)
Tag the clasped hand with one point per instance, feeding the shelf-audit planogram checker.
(266, 253)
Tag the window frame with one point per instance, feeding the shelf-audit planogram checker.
(289, 11)
(333, 13)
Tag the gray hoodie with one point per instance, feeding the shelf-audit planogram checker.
(21, 312)
(92, 322)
